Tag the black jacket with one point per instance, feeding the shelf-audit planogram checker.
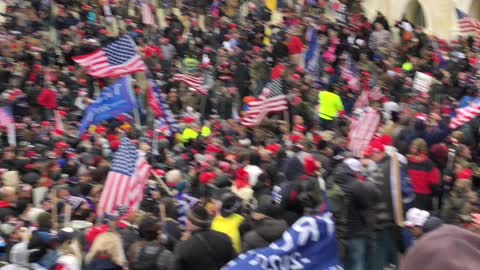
(264, 232)
(206, 250)
(357, 201)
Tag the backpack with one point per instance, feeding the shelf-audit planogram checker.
(148, 256)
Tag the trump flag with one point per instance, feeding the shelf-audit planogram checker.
(310, 244)
(112, 102)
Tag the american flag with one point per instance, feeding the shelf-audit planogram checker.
(272, 99)
(362, 129)
(467, 24)
(117, 59)
(162, 109)
(465, 115)
(58, 121)
(126, 180)
(147, 15)
(196, 83)
(6, 118)
(351, 74)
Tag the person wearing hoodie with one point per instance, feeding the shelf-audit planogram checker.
(228, 222)
(423, 174)
(265, 229)
(352, 220)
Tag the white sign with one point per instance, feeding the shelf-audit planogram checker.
(422, 82)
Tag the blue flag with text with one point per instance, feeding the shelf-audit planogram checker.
(112, 102)
(309, 244)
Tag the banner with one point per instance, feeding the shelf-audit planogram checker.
(310, 244)
(422, 82)
(112, 102)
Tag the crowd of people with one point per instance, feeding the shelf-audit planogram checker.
(219, 188)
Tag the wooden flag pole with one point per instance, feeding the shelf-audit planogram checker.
(54, 210)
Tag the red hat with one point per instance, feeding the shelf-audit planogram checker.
(296, 100)
(101, 130)
(375, 146)
(58, 132)
(213, 149)
(296, 77)
(114, 145)
(273, 148)
(421, 116)
(465, 174)
(85, 137)
(224, 166)
(329, 70)
(45, 124)
(317, 138)
(233, 26)
(188, 120)
(299, 128)
(71, 68)
(62, 145)
(122, 118)
(103, 31)
(207, 177)
(300, 70)
(295, 138)
(158, 172)
(139, 31)
(398, 70)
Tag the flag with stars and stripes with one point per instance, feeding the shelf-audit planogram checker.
(7, 121)
(126, 180)
(465, 115)
(271, 100)
(194, 82)
(117, 59)
(467, 24)
(161, 109)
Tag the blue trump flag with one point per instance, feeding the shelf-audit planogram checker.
(310, 244)
(112, 102)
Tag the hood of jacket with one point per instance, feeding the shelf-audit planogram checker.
(271, 229)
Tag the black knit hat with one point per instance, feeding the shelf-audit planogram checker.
(199, 216)
(231, 203)
(265, 206)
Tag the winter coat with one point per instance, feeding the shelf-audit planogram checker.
(423, 174)
(47, 99)
(356, 203)
(230, 226)
(265, 231)
(383, 205)
(207, 249)
(101, 263)
(380, 39)
(455, 206)
(164, 260)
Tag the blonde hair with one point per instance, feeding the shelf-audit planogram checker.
(420, 146)
(71, 247)
(107, 244)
